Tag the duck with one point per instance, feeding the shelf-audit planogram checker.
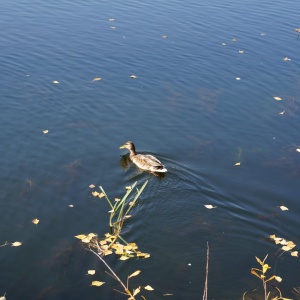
(145, 162)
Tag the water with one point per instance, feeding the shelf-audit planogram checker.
(185, 106)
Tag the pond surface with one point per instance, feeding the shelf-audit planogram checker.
(203, 100)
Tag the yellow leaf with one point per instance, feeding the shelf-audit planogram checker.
(80, 236)
(91, 186)
(259, 261)
(45, 131)
(16, 244)
(86, 240)
(95, 193)
(273, 236)
(136, 273)
(128, 188)
(135, 292)
(237, 164)
(92, 234)
(279, 279)
(91, 272)
(107, 252)
(265, 268)
(101, 195)
(97, 283)
(209, 206)
(124, 257)
(133, 76)
(119, 251)
(283, 207)
(277, 98)
(117, 199)
(103, 242)
(286, 59)
(97, 79)
(128, 247)
(148, 288)
(133, 246)
(35, 221)
(294, 253)
(147, 255)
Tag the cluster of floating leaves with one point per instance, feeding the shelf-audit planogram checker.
(109, 245)
(287, 246)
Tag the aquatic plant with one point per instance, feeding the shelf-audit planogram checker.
(113, 242)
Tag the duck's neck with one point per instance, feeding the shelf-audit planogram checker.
(132, 151)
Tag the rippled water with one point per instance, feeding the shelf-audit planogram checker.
(186, 106)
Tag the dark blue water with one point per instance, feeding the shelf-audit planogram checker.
(185, 106)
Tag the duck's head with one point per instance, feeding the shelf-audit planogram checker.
(128, 145)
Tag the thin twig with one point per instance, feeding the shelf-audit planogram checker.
(206, 277)
(114, 274)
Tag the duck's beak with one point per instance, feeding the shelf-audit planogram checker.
(122, 147)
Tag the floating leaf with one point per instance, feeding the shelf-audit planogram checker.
(294, 253)
(286, 59)
(97, 283)
(241, 51)
(86, 240)
(111, 20)
(237, 164)
(124, 257)
(288, 247)
(95, 193)
(133, 76)
(283, 207)
(16, 244)
(71, 205)
(117, 199)
(136, 273)
(80, 236)
(164, 36)
(298, 149)
(3, 297)
(107, 252)
(91, 186)
(279, 279)
(273, 236)
(234, 40)
(91, 272)
(128, 187)
(209, 206)
(277, 98)
(282, 112)
(167, 294)
(238, 78)
(55, 81)
(45, 131)
(149, 288)
(101, 195)
(35, 221)
(223, 44)
(97, 79)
